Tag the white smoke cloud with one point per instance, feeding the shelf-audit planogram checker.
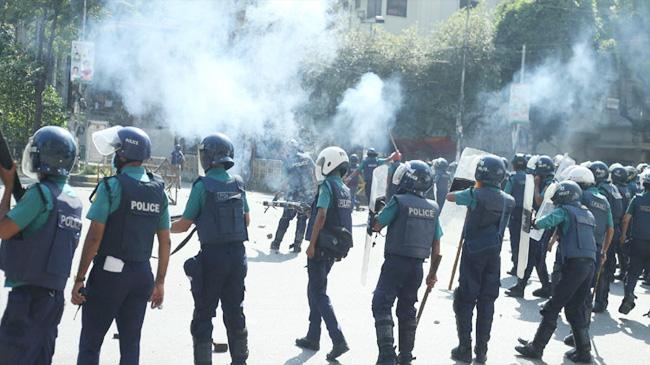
(207, 66)
(367, 112)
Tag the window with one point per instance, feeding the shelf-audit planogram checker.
(374, 9)
(396, 7)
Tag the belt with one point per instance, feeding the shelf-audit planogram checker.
(580, 259)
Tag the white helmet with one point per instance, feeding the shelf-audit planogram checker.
(581, 175)
(330, 159)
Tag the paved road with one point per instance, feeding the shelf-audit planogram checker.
(276, 309)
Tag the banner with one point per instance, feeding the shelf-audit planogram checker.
(82, 62)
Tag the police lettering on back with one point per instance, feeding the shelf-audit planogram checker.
(70, 222)
(422, 213)
(145, 207)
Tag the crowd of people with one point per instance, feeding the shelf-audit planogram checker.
(598, 220)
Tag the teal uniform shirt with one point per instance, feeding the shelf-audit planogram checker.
(466, 197)
(630, 208)
(610, 219)
(31, 212)
(508, 187)
(324, 193)
(103, 205)
(389, 213)
(197, 195)
(553, 219)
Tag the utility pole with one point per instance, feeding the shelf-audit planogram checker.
(461, 98)
(517, 126)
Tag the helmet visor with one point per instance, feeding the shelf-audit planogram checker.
(107, 141)
(399, 173)
(27, 162)
(318, 171)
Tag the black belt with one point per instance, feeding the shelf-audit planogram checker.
(580, 259)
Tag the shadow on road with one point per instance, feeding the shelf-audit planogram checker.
(263, 256)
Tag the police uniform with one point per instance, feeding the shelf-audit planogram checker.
(412, 227)
(217, 205)
(578, 253)
(37, 264)
(441, 180)
(639, 233)
(353, 182)
(300, 179)
(133, 207)
(479, 280)
(334, 196)
(177, 159)
(367, 167)
(601, 209)
(515, 185)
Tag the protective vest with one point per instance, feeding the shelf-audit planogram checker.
(442, 186)
(131, 228)
(615, 200)
(339, 213)
(487, 221)
(518, 184)
(579, 240)
(633, 188)
(412, 231)
(44, 258)
(641, 218)
(625, 194)
(370, 166)
(355, 180)
(599, 207)
(177, 158)
(222, 217)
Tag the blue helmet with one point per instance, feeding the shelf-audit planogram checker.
(600, 171)
(567, 192)
(619, 175)
(490, 169)
(216, 149)
(51, 151)
(413, 176)
(135, 144)
(519, 161)
(371, 152)
(441, 164)
(354, 159)
(544, 166)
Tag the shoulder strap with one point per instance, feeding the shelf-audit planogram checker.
(335, 201)
(106, 186)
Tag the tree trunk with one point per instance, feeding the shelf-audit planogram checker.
(46, 63)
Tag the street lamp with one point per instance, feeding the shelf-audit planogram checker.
(467, 4)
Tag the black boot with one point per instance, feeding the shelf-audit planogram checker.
(569, 340)
(517, 291)
(628, 304)
(238, 344)
(543, 292)
(296, 247)
(582, 352)
(202, 351)
(385, 341)
(308, 343)
(535, 349)
(406, 341)
(480, 349)
(463, 352)
(338, 349)
(275, 245)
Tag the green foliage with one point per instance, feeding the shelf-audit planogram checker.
(428, 66)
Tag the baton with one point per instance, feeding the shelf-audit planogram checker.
(434, 267)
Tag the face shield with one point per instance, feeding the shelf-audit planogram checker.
(318, 171)
(107, 141)
(27, 161)
(399, 173)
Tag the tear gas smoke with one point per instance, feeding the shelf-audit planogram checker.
(214, 66)
(367, 112)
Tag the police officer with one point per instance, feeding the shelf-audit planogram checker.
(39, 236)
(129, 209)
(638, 215)
(578, 253)
(353, 182)
(515, 184)
(544, 176)
(632, 186)
(632, 189)
(177, 161)
(331, 208)
(604, 231)
(441, 179)
(413, 234)
(299, 171)
(368, 166)
(480, 264)
(217, 206)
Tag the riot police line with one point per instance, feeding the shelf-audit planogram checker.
(596, 214)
